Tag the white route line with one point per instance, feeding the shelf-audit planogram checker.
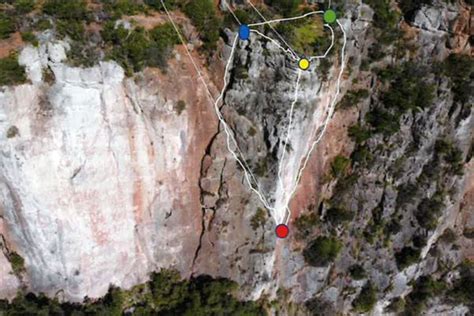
(276, 43)
(311, 58)
(278, 34)
(232, 12)
(326, 123)
(243, 164)
(290, 123)
(187, 51)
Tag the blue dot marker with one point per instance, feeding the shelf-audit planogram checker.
(244, 32)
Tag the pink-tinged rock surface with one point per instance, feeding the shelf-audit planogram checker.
(100, 184)
(9, 282)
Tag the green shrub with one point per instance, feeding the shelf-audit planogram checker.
(258, 219)
(362, 155)
(67, 10)
(406, 194)
(353, 97)
(463, 289)
(203, 15)
(451, 155)
(366, 299)
(406, 90)
(339, 166)
(460, 69)
(117, 8)
(164, 294)
(156, 4)
(11, 73)
(424, 289)
(359, 133)
(338, 216)
(17, 263)
(24, 6)
(357, 272)
(72, 28)
(397, 306)
(410, 7)
(7, 26)
(306, 224)
(285, 7)
(322, 251)
(12, 131)
(429, 210)
(406, 257)
(384, 17)
(30, 38)
(180, 107)
(136, 49)
(383, 121)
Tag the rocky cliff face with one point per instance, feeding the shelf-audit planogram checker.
(106, 178)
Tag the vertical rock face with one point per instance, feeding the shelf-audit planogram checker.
(99, 184)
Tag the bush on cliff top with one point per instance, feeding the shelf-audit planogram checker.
(11, 73)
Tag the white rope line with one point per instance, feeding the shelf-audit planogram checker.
(232, 12)
(290, 123)
(249, 177)
(330, 47)
(244, 165)
(287, 51)
(188, 52)
(326, 123)
(278, 34)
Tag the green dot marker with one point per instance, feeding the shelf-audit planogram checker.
(330, 16)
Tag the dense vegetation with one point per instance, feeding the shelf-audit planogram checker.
(203, 15)
(460, 69)
(7, 26)
(136, 49)
(366, 299)
(322, 251)
(424, 288)
(164, 294)
(284, 7)
(11, 73)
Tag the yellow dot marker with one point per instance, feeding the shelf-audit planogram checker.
(303, 64)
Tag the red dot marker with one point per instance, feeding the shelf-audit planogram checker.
(282, 231)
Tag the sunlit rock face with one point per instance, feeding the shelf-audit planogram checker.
(99, 181)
